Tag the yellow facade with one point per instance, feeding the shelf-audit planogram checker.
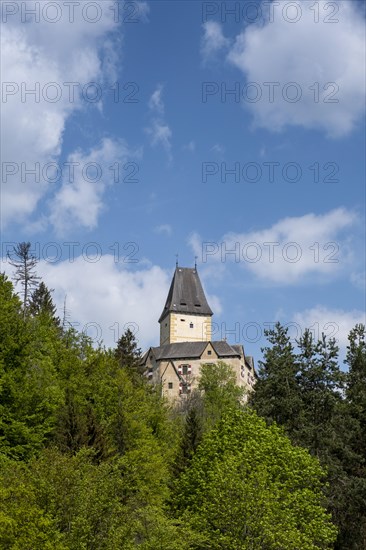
(173, 377)
(181, 327)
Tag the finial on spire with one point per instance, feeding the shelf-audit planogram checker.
(195, 262)
(176, 261)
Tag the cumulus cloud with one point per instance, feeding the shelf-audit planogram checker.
(334, 323)
(79, 201)
(324, 61)
(56, 60)
(291, 250)
(104, 295)
(213, 40)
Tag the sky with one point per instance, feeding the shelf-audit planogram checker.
(227, 133)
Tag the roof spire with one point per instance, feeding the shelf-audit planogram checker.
(186, 294)
(176, 261)
(195, 262)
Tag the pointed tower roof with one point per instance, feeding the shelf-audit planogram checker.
(186, 294)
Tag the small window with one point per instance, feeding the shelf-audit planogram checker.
(184, 370)
(190, 325)
(166, 324)
(183, 303)
(182, 319)
(209, 352)
(170, 385)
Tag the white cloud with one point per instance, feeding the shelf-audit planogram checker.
(159, 130)
(160, 134)
(155, 102)
(79, 201)
(213, 40)
(289, 251)
(305, 52)
(164, 229)
(43, 56)
(105, 297)
(335, 323)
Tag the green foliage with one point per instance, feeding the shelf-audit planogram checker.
(41, 304)
(92, 456)
(29, 390)
(322, 409)
(24, 524)
(353, 519)
(248, 487)
(356, 384)
(219, 391)
(128, 354)
(277, 394)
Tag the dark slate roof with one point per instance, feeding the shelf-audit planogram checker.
(186, 294)
(180, 350)
(223, 349)
(192, 350)
(238, 348)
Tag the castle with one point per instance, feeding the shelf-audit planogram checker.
(185, 341)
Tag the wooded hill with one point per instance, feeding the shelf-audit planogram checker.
(93, 457)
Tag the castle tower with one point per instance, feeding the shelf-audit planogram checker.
(186, 316)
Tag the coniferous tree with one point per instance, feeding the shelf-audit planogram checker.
(276, 396)
(321, 382)
(127, 352)
(24, 262)
(353, 515)
(41, 303)
(356, 382)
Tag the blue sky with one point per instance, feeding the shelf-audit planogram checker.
(159, 128)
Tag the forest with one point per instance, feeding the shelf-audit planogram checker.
(93, 457)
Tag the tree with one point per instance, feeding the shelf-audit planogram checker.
(216, 393)
(23, 522)
(41, 303)
(249, 488)
(30, 393)
(276, 396)
(304, 392)
(127, 352)
(24, 263)
(219, 391)
(353, 516)
(356, 383)
(321, 384)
